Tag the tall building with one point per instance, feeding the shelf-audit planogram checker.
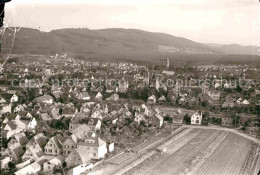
(168, 63)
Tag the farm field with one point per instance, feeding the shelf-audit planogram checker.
(203, 152)
(112, 165)
(231, 157)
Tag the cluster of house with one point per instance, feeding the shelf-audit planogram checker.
(46, 154)
(97, 105)
(41, 153)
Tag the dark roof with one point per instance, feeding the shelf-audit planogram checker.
(97, 142)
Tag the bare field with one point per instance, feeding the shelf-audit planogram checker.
(231, 157)
(204, 152)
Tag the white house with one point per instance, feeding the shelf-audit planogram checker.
(196, 118)
(84, 96)
(239, 101)
(82, 168)
(32, 124)
(23, 114)
(6, 109)
(32, 153)
(18, 108)
(99, 96)
(162, 98)
(226, 85)
(245, 102)
(33, 168)
(51, 164)
(151, 100)
(217, 85)
(144, 109)
(14, 98)
(94, 124)
(93, 145)
(47, 99)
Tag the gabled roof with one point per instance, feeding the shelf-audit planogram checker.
(68, 110)
(162, 98)
(99, 95)
(90, 134)
(16, 149)
(74, 138)
(43, 98)
(23, 113)
(12, 125)
(60, 139)
(97, 142)
(47, 109)
(21, 138)
(35, 152)
(57, 160)
(45, 117)
(84, 155)
(159, 117)
(84, 95)
(40, 139)
(57, 140)
(152, 97)
(78, 118)
(197, 113)
(79, 132)
(113, 97)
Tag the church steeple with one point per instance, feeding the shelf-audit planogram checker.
(168, 63)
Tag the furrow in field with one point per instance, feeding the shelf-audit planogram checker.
(171, 148)
(186, 163)
(228, 157)
(204, 151)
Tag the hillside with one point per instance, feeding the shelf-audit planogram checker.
(235, 49)
(120, 44)
(106, 41)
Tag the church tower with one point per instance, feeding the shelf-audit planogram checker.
(168, 63)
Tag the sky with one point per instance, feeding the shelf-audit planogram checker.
(205, 21)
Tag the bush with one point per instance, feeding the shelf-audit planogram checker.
(187, 119)
(64, 164)
(11, 165)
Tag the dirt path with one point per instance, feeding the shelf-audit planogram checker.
(224, 129)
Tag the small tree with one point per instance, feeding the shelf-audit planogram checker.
(168, 119)
(60, 111)
(187, 119)
(247, 123)
(64, 164)
(205, 118)
(57, 170)
(11, 165)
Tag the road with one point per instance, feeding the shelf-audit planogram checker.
(225, 129)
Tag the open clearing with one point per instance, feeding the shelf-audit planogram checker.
(189, 151)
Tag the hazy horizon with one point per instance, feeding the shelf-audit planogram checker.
(204, 21)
